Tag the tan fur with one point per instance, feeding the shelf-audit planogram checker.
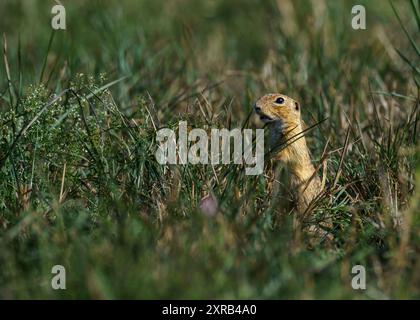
(285, 124)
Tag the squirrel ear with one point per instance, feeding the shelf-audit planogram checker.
(297, 106)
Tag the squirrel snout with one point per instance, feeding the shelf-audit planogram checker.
(257, 108)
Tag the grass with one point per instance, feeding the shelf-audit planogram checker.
(80, 186)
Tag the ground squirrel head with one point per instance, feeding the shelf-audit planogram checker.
(279, 110)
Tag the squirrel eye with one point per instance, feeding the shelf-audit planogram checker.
(279, 100)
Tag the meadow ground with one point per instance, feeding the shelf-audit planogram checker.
(80, 185)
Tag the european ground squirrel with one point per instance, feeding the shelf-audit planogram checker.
(282, 116)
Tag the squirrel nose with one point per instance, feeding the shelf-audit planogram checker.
(257, 108)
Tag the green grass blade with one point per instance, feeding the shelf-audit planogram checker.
(416, 13)
(413, 44)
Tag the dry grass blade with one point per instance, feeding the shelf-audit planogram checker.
(343, 154)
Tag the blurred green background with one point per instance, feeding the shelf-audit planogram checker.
(80, 186)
